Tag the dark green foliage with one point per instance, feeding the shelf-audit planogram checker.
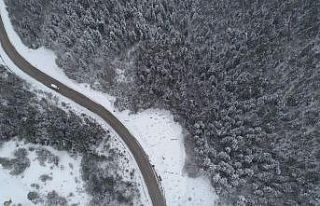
(55, 200)
(33, 196)
(44, 156)
(104, 182)
(45, 178)
(242, 76)
(18, 164)
(23, 115)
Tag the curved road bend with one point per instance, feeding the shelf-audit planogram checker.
(148, 173)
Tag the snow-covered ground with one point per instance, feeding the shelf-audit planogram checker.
(160, 136)
(65, 177)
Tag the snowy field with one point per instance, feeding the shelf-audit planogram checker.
(155, 129)
(55, 171)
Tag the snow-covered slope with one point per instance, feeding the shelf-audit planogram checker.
(157, 132)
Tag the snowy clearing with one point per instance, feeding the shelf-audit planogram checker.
(63, 177)
(155, 129)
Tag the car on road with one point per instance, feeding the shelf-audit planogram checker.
(54, 86)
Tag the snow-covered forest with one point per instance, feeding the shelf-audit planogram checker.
(242, 77)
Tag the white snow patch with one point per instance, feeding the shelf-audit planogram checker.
(155, 129)
(120, 75)
(65, 180)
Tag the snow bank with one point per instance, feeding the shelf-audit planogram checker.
(155, 129)
(66, 177)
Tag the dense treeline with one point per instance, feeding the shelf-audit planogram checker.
(23, 115)
(39, 121)
(242, 76)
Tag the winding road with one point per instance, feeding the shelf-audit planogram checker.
(149, 175)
